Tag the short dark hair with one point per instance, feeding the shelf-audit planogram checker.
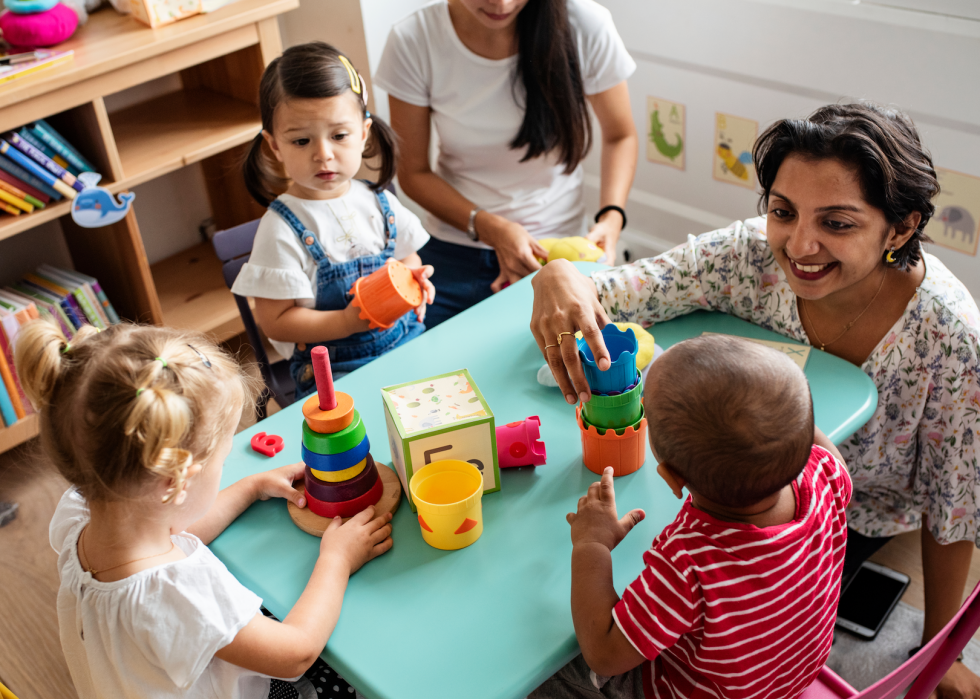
(733, 418)
(894, 168)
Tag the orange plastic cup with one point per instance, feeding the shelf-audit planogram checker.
(387, 294)
(625, 453)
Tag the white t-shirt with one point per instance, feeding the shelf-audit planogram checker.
(347, 227)
(154, 634)
(476, 116)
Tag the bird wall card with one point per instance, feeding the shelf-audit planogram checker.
(666, 132)
(956, 223)
(734, 138)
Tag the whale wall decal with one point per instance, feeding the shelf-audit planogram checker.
(95, 206)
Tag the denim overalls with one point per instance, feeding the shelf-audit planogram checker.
(333, 282)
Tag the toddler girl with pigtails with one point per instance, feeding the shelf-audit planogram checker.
(140, 420)
(327, 229)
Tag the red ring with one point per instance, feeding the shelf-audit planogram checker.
(348, 508)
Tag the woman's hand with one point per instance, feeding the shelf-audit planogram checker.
(566, 301)
(605, 234)
(357, 541)
(421, 273)
(517, 252)
(278, 483)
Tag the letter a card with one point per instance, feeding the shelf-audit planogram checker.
(734, 138)
(666, 132)
(956, 223)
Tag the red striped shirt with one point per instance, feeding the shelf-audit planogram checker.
(733, 610)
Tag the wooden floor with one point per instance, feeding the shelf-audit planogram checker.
(31, 663)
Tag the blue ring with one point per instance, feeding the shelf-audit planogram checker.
(337, 462)
(29, 7)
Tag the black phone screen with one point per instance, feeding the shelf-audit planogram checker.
(869, 598)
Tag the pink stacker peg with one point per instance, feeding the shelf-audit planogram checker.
(323, 377)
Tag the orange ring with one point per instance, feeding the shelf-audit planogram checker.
(329, 421)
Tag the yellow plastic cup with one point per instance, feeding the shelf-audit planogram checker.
(448, 495)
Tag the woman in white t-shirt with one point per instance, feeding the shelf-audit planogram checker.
(506, 84)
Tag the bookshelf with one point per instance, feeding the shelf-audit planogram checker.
(219, 58)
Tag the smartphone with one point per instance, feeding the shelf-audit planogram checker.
(869, 598)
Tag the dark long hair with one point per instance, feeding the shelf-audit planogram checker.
(894, 168)
(555, 114)
(309, 71)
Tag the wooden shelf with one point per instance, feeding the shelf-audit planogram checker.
(19, 432)
(174, 130)
(193, 294)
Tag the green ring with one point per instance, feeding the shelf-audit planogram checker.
(335, 442)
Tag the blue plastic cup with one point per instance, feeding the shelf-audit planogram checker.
(622, 346)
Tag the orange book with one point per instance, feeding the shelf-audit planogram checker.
(9, 209)
(8, 381)
(17, 202)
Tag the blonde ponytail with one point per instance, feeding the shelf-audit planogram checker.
(160, 419)
(42, 356)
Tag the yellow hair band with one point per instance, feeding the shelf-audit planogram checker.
(355, 80)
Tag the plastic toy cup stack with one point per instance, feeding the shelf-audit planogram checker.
(341, 477)
(614, 429)
(386, 294)
(449, 498)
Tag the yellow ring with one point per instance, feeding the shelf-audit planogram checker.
(564, 333)
(338, 476)
(547, 346)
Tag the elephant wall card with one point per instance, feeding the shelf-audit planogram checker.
(666, 132)
(956, 223)
(734, 138)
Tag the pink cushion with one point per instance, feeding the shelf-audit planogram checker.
(40, 29)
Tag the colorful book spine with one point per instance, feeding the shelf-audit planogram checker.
(36, 170)
(51, 305)
(59, 145)
(107, 306)
(27, 178)
(44, 161)
(12, 190)
(81, 291)
(8, 381)
(7, 413)
(11, 181)
(7, 208)
(64, 296)
(26, 134)
(15, 201)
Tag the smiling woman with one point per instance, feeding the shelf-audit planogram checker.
(837, 263)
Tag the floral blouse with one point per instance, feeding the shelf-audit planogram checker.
(918, 452)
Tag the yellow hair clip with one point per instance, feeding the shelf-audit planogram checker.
(355, 80)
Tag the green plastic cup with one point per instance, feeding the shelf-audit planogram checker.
(615, 411)
(619, 430)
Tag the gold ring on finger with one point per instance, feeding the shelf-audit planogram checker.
(547, 346)
(567, 332)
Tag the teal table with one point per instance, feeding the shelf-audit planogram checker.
(492, 620)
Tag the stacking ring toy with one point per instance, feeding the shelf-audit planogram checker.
(347, 490)
(336, 462)
(339, 476)
(334, 420)
(29, 7)
(348, 508)
(337, 442)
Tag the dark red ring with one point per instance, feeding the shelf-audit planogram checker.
(343, 490)
(349, 508)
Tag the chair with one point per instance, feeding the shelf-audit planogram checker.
(234, 246)
(926, 668)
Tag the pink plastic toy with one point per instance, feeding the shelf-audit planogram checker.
(519, 443)
(268, 444)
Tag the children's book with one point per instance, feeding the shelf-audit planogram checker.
(77, 291)
(45, 60)
(26, 177)
(26, 134)
(62, 293)
(17, 202)
(56, 142)
(20, 194)
(9, 329)
(7, 208)
(70, 281)
(43, 160)
(51, 304)
(107, 306)
(23, 309)
(7, 378)
(22, 186)
(29, 289)
(33, 168)
(7, 414)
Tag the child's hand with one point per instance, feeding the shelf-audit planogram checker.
(357, 541)
(596, 520)
(278, 483)
(422, 275)
(355, 324)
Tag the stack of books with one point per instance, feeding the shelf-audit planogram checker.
(68, 298)
(38, 166)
